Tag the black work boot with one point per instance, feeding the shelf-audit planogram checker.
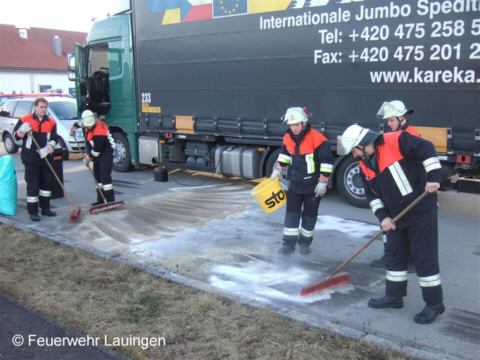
(386, 302)
(429, 314)
(35, 217)
(304, 249)
(99, 199)
(48, 212)
(109, 195)
(286, 250)
(379, 263)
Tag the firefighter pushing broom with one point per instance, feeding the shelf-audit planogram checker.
(102, 149)
(396, 168)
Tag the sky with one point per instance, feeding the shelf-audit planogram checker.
(74, 15)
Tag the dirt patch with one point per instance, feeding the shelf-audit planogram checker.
(101, 297)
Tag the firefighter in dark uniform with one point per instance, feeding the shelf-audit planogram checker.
(308, 156)
(396, 168)
(395, 113)
(101, 153)
(38, 176)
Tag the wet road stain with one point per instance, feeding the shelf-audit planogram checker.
(463, 325)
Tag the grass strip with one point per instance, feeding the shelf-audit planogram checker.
(101, 297)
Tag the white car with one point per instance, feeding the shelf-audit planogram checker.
(62, 109)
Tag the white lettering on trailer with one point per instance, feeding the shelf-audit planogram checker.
(330, 37)
(305, 19)
(401, 40)
(327, 58)
(383, 12)
(433, 8)
(447, 76)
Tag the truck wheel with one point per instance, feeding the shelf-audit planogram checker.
(9, 144)
(121, 160)
(349, 182)
(271, 162)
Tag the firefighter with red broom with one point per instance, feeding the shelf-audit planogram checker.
(396, 168)
(308, 156)
(395, 113)
(38, 176)
(102, 147)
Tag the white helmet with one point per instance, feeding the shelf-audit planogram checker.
(393, 108)
(354, 135)
(88, 118)
(295, 115)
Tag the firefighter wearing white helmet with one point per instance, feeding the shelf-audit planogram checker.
(396, 168)
(354, 136)
(396, 113)
(307, 154)
(88, 118)
(295, 115)
(102, 146)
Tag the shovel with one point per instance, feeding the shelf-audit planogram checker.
(106, 205)
(336, 278)
(76, 209)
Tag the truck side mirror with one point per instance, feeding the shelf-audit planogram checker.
(71, 61)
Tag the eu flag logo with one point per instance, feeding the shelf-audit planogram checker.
(229, 7)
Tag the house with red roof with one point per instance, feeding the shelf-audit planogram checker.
(34, 59)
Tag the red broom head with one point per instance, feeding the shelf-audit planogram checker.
(106, 206)
(75, 213)
(318, 286)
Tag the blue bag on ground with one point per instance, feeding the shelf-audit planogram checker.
(8, 187)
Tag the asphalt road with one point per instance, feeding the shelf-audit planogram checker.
(209, 233)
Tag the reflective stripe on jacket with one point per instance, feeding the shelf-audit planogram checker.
(309, 156)
(402, 165)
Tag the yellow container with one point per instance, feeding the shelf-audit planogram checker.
(270, 195)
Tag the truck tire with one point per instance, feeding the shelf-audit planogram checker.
(121, 160)
(272, 160)
(349, 182)
(9, 144)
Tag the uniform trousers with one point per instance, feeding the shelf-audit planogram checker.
(102, 169)
(39, 180)
(420, 240)
(302, 207)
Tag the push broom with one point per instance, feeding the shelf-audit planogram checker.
(76, 209)
(106, 205)
(337, 278)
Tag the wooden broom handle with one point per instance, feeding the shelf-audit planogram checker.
(398, 217)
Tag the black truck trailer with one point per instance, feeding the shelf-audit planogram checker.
(203, 84)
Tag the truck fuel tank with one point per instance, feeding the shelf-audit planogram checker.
(240, 161)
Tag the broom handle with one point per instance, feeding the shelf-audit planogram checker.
(398, 217)
(91, 172)
(54, 173)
